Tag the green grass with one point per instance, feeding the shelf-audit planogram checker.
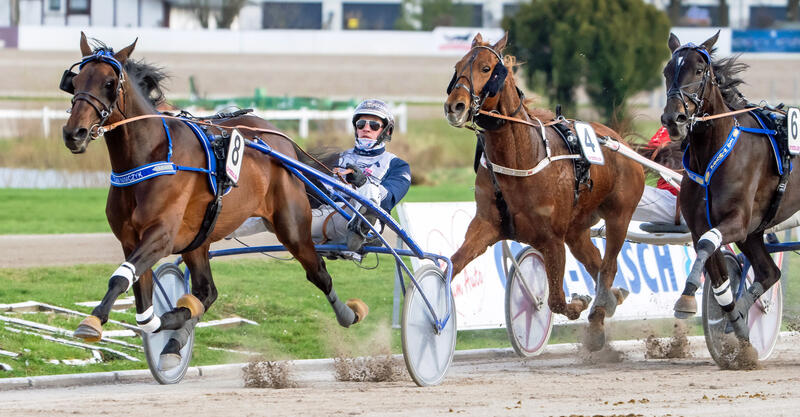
(295, 320)
(46, 211)
(82, 210)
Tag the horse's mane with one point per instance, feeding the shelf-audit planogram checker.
(510, 61)
(147, 77)
(726, 71)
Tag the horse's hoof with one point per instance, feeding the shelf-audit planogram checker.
(595, 338)
(359, 307)
(169, 361)
(90, 330)
(193, 304)
(740, 328)
(585, 299)
(685, 307)
(620, 293)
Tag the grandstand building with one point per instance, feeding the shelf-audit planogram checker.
(342, 14)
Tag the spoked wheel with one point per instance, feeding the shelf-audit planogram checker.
(763, 318)
(428, 353)
(529, 320)
(168, 286)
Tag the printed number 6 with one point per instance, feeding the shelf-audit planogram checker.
(793, 123)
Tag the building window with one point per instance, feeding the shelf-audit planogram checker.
(78, 6)
(279, 15)
(54, 5)
(370, 16)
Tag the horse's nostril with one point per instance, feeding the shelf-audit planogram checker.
(681, 118)
(460, 107)
(81, 133)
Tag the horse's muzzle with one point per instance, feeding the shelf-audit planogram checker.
(75, 138)
(456, 113)
(676, 123)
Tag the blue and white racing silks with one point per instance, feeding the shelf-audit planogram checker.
(383, 168)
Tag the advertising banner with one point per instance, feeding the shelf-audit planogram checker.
(654, 275)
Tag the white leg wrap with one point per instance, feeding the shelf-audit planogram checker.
(723, 293)
(713, 236)
(148, 321)
(128, 271)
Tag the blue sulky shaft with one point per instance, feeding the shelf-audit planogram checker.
(343, 193)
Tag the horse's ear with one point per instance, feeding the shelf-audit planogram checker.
(674, 42)
(123, 55)
(501, 44)
(85, 49)
(478, 40)
(708, 44)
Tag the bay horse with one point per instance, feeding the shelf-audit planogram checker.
(541, 209)
(162, 215)
(737, 183)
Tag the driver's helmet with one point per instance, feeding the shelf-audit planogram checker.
(377, 108)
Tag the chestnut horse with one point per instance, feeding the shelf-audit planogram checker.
(540, 209)
(162, 215)
(734, 187)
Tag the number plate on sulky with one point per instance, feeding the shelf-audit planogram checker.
(591, 147)
(233, 163)
(793, 127)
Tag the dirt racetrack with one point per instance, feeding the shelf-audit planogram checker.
(569, 383)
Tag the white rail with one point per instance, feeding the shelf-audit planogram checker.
(304, 116)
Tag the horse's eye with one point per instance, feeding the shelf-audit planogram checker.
(486, 69)
(109, 84)
(699, 71)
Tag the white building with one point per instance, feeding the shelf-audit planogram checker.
(331, 14)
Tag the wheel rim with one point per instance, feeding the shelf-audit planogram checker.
(764, 320)
(428, 355)
(528, 316)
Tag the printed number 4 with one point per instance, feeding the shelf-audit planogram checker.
(587, 140)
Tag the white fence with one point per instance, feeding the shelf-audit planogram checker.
(304, 116)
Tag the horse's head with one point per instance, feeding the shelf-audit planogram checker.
(96, 90)
(478, 78)
(690, 80)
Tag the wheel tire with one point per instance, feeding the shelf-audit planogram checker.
(529, 323)
(764, 325)
(172, 286)
(427, 355)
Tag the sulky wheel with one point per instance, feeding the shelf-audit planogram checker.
(428, 353)
(529, 320)
(168, 286)
(763, 319)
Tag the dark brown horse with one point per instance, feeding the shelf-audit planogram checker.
(540, 209)
(162, 215)
(733, 189)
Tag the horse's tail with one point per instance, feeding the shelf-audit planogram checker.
(322, 159)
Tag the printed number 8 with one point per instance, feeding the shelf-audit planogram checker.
(237, 146)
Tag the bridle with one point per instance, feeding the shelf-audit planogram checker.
(490, 89)
(678, 91)
(103, 109)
